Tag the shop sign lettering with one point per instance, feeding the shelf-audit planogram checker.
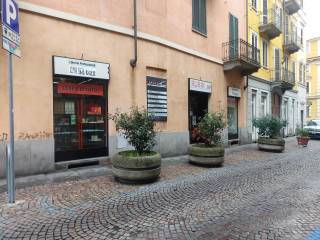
(80, 89)
(200, 86)
(234, 92)
(157, 98)
(80, 68)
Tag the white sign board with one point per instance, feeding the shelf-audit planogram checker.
(200, 86)
(234, 92)
(80, 68)
(11, 47)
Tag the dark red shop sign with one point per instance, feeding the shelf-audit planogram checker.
(80, 89)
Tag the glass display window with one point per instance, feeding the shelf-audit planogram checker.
(79, 109)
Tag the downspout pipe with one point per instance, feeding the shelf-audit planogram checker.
(247, 33)
(133, 62)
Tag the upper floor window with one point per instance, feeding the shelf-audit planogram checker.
(265, 53)
(254, 4)
(199, 16)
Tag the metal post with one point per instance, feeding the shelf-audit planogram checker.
(10, 158)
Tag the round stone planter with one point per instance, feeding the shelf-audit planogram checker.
(206, 156)
(136, 169)
(271, 144)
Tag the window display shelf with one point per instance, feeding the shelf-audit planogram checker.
(64, 133)
(92, 130)
(92, 122)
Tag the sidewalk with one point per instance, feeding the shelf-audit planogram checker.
(234, 155)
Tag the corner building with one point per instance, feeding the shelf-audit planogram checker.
(78, 65)
(279, 87)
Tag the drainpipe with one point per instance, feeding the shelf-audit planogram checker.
(133, 62)
(247, 32)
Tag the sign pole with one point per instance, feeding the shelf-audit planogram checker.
(10, 158)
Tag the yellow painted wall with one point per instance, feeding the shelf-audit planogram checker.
(313, 52)
(313, 80)
(254, 21)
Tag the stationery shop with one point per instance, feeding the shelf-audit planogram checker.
(80, 100)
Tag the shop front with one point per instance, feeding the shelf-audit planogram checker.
(234, 94)
(80, 97)
(199, 93)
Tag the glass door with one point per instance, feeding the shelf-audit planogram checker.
(254, 114)
(198, 107)
(232, 118)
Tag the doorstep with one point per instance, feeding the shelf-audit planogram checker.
(65, 165)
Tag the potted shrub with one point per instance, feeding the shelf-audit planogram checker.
(211, 151)
(303, 137)
(269, 129)
(140, 164)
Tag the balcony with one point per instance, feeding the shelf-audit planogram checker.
(270, 25)
(282, 79)
(292, 43)
(238, 55)
(293, 6)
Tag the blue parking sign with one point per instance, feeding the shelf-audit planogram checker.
(10, 15)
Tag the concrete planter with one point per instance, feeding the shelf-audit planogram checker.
(213, 156)
(136, 169)
(271, 144)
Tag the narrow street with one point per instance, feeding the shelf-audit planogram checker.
(256, 195)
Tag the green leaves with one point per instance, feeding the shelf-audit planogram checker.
(137, 127)
(302, 132)
(211, 127)
(269, 126)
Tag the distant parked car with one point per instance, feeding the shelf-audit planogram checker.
(313, 127)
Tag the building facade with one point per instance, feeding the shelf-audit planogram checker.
(313, 75)
(83, 60)
(278, 88)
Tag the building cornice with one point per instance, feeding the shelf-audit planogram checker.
(33, 8)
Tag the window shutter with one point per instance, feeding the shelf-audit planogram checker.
(203, 16)
(277, 63)
(265, 11)
(199, 15)
(195, 14)
(233, 35)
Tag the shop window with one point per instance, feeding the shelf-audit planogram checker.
(79, 108)
(232, 115)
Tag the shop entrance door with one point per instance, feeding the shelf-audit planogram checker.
(233, 132)
(198, 107)
(79, 120)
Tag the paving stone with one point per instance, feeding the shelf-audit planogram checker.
(256, 195)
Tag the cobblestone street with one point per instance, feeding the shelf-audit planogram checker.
(255, 195)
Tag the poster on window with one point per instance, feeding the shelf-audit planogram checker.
(157, 98)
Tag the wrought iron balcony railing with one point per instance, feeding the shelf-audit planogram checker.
(241, 50)
(270, 24)
(292, 42)
(293, 6)
(283, 75)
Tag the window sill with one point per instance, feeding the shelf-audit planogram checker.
(200, 33)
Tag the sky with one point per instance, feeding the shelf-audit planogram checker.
(312, 10)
